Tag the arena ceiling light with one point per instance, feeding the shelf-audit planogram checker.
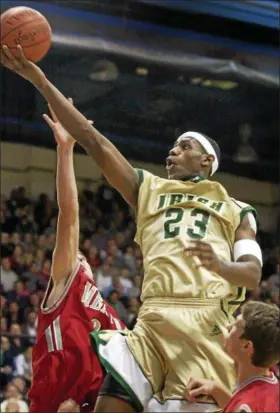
(104, 71)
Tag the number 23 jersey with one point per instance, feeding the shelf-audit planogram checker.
(172, 213)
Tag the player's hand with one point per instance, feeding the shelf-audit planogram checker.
(207, 258)
(62, 137)
(20, 65)
(69, 406)
(197, 389)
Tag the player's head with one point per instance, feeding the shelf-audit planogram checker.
(193, 154)
(255, 335)
(83, 261)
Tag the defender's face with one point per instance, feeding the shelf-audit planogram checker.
(234, 344)
(184, 159)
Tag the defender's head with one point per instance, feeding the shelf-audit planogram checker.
(193, 154)
(254, 336)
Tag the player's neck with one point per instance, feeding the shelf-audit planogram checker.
(247, 371)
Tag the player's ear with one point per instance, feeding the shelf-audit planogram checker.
(248, 348)
(207, 160)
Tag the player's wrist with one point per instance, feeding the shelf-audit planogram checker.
(66, 148)
(39, 79)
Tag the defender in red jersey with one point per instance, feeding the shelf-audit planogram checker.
(253, 342)
(64, 366)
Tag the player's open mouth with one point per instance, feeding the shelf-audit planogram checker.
(169, 164)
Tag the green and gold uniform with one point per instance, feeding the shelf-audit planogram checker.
(179, 332)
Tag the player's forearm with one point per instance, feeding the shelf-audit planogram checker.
(221, 396)
(67, 194)
(72, 120)
(243, 274)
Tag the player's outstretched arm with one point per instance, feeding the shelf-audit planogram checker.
(246, 270)
(114, 166)
(67, 233)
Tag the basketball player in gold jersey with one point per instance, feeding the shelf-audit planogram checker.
(199, 253)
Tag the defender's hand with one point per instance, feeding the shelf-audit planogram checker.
(197, 388)
(62, 137)
(69, 406)
(20, 65)
(206, 256)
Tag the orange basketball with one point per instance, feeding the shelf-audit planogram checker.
(29, 28)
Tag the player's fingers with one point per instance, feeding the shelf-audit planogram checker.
(49, 121)
(199, 391)
(22, 57)
(200, 244)
(203, 263)
(91, 122)
(71, 101)
(11, 58)
(198, 253)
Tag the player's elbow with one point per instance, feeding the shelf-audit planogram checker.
(69, 212)
(256, 275)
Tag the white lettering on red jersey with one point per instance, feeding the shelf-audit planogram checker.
(259, 394)
(64, 366)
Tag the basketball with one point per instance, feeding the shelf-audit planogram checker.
(28, 28)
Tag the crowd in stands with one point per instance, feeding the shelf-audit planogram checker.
(107, 228)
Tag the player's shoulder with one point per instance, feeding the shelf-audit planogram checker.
(259, 395)
(145, 177)
(242, 208)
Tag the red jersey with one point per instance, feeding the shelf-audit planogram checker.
(258, 394)
(64, 365)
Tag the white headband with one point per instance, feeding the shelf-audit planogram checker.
(206, 145)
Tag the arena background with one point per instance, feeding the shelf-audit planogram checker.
(144, 71)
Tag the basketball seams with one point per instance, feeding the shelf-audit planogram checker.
(25, 24)
(30, 45)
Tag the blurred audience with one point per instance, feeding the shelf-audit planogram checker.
(106, 239)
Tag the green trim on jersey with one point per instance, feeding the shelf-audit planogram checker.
(246, 210)
(140, 174)
(96, 342)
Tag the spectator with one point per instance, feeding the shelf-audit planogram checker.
(30, 328)
(13, 314)
(7, 361)
(19, 294)
(113, 300)
(12, 406)
(33, 278)
(103, 277)
(12, 392)
(18, 342)
(23, 364)
(8, 276)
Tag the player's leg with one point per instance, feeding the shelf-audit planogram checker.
(196, 352)
(134, 366)
(114, 398)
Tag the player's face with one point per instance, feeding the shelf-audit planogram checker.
(184, 159)
(234, 344)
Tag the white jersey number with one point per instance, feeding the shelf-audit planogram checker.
(53, 336)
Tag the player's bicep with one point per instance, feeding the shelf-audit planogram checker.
(246, 247)
(117, 170)
(67, 244)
